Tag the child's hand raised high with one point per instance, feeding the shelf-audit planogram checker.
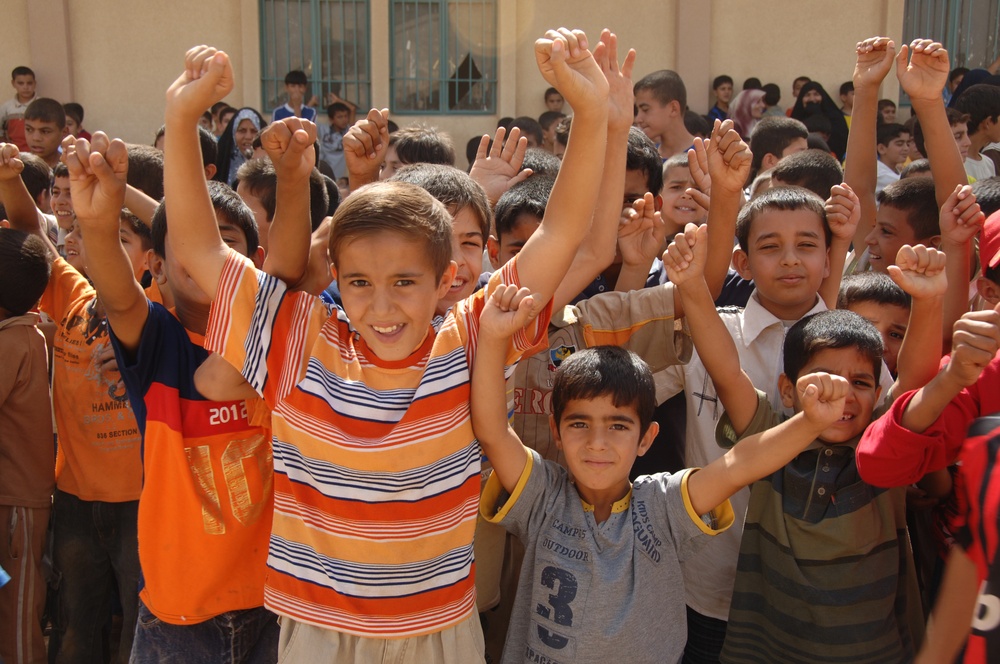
(364, 147)
(10, 162)
(566, 64)
(919, 271)
(974, 344)
(685, 258)
(97, 173)
(289, 144)
(927, 72)
(641, 233)
(822, 397)
(621, 96)
(729, 157)
(961, 217)
(875, 56)
(843, 212)
(207, 79)
(507, 310)
(497, 169)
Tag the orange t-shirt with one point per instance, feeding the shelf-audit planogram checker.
(99, 454)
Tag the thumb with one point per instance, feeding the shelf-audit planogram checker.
(525, 311)
(902, 58)
(100, 167)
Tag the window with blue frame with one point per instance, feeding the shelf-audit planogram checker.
(327, 39)
(443, 56)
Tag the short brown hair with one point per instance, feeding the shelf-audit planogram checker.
(420, 144)
(394, 207)
(452, 187)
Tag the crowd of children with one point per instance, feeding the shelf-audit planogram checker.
(629, 387)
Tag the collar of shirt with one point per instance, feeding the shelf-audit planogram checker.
(756, 318)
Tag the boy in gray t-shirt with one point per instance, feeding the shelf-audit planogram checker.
(601, 574)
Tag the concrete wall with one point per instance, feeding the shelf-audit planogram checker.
(120, 75)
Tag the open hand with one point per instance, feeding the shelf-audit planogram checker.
(566, 63)
(97, 171)
(497, 169)
(289, 144)
(875, 56)
(207, 78)
(961, 218)
(621, 99)
(927, 72)
(822, 397)
(919, 271)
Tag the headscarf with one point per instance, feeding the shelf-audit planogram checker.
(838, 125)
(742, 113)
(972, 77)
(229, 158)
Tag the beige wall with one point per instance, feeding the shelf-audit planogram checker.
(120, 76)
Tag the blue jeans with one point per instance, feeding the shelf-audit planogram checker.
(91, 541)
(249, 636)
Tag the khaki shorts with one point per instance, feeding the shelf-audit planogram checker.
(301, 642)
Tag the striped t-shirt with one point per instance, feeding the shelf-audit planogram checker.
(376, 468)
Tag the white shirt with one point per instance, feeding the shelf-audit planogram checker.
(980, 169)
(886, 176)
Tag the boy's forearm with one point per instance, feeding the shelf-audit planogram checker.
(861, 166)
(597, 249)
(957, 258)
(829, 289)
(141, 205)
(920, 353)
(632, 277)
(947, 168)
(22, 213)
(192, 224)
(489, 413)
(290, 233)
(929, 402)
(724, 207)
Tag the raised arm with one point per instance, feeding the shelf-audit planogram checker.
(566, 64)
(194, 232)
(919, 271)
(822, 397)
(507, 310)
(141, 205)
(843, 212)
(289, 144)
(97, 182)
(597, 249)
(874, 60)
(498, 168)
(22, 213)
(365, 144)
(960, 220)
(685, 263)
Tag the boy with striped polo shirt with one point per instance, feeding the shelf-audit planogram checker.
(376, 467)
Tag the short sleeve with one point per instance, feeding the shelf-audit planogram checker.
(261, 328)
(66, 286)
(763, 419)
(670, 493)
(522, 511)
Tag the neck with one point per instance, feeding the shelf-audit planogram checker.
(193, 317)
(675, 140)
(979, 141)
(791, 312)
(603, 499)
(723, 105)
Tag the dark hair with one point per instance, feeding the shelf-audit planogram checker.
(25, 263)
(528, 127)
(815, 170)
(885, 103)
(837, 328)
(817, 142)
(37, 176)
(21, 71)
(956, 72)
(452, 187)
(987, 193)
(332, 195)
(506, 120)
(819, 124)
(980, 102)
(772, 135)
(209, 148)
(228, 207)
(337, 107)
(420, 144)
(696, 124)
(74, 110)
(955, 117)
(722, 79)
(992, 273)
(145, 170)
(552, 91)
(888, 132)
(784, 199)
(917, 167)
(296, 77)
(804, 79)
(541, 162)
(160, 133)
(666, 86)
(752, 83)
(871, 286)
(915, 197)
(548, 118)
(530, 196)
(394, 207)
(472, 149)
(846, 86)
(262, 181)
(46, 110)
(829, 110)
(642, 156)
(772, 94)
(141, 230)
(562, 130)
(606, 371)
(60, 171)
(218, 106)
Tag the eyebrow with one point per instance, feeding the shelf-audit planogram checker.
(617, 417)
(398, 275)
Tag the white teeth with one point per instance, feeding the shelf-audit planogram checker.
(386, 330)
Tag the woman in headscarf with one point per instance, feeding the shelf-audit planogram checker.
(747, 110)
(236, 143)
(813, 99)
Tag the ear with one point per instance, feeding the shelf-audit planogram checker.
(826, 266)
(4, 223)
(446, 279)
(155, 265)
(881, 149)
(787, 390)
(768, 162)
(988, 290)
(741, 263)
(675, 108)
(333, 271)
(493, 249)
(658, 203)
(210, 171)
(647, 439)
(554, 428)
(257, 258)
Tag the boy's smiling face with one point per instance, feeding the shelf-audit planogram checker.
(467, 252)
(390, 291)
(787, 259)
(892, 230)
(600, 442)
(679, 209)
(62, 202)
(864, 391)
